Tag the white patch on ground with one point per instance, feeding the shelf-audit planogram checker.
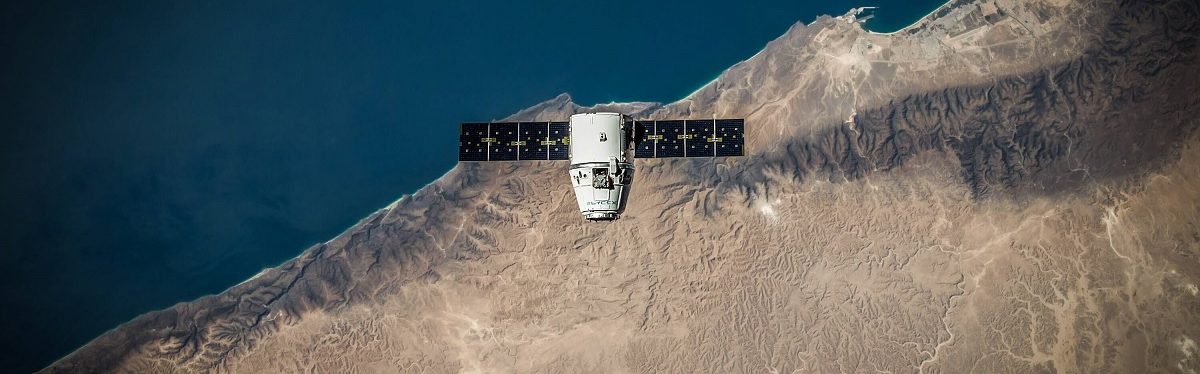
(767, 209)
(1188, 347)
(1111, 223)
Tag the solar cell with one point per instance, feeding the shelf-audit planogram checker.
(699, 138)
(559, 139)
(671, 142)
(505, 146)
(731, 138)
(533, 140)
(471, 145)
(643, 138)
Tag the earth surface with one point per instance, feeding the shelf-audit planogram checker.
(1005, 186)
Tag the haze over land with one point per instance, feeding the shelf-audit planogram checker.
(1007, 186)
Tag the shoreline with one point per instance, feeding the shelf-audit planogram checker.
(915, 23)
(756, 54)
(852, 9)
(391, 205)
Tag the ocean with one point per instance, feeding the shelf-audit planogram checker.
(156, 152)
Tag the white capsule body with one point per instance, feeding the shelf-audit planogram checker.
(601, 167)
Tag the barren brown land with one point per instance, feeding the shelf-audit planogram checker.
(1007, 186)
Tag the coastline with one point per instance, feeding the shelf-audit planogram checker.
(260, 273)
(915, 23)
(756, 54)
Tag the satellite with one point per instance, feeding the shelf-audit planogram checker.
(601, 148)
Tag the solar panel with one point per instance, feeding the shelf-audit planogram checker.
(643, 139)
(533, 140)
(505, 146)
(699, 136)
(731, 137)
(511, 141)
(560, 137)
(670, 143)
(471, 144)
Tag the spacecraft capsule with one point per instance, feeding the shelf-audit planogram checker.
(601, 171)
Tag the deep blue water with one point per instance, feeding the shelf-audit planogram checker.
(156, 152)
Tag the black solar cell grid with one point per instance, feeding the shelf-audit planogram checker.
(533, 139)
(731, 133)
(643, 137)
(471, 146)
(559, 136)
(505, 146)
(671, 143)
(699, 138)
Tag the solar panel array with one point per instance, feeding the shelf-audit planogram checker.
(689, 138)
(511, 141)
